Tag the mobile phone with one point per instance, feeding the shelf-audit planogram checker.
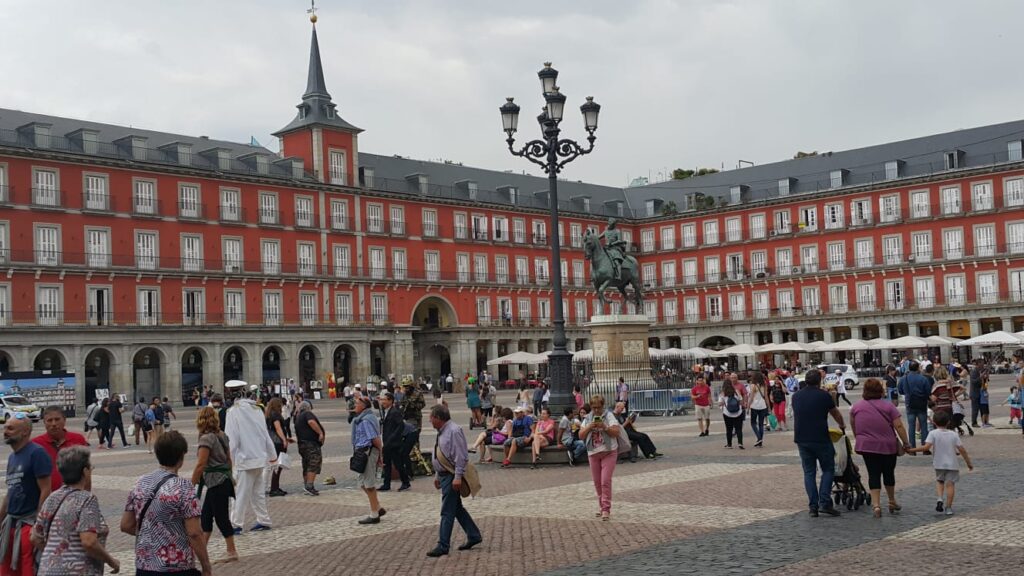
(598, 419)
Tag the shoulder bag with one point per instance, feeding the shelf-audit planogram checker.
(470, 478)
(145, 507)
(902, 449)
(359, 459)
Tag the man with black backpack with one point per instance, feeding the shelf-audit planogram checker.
(916, 389)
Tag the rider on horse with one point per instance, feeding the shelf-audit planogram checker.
(614, 246)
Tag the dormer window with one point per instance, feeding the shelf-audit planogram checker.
(838, 178)
(953, 159)
(736, 194)
(785, 186)
(513, 195)
(649, 207)
(1013, 150)
(473, 189)
(586, 204)
(262, 165)
(892, 169)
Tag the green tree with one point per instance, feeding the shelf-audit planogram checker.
(683, 174)
(669, 208)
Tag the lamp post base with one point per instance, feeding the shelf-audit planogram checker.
(560, 382)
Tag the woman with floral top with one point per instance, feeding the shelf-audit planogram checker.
(600, 432)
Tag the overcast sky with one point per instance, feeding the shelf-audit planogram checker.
(681, 83)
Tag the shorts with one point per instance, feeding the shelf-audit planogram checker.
(950, 476)
(312, 457)
(983, 408)
(520, 441)
(703, 412)
(1014, 412)
(371, 476)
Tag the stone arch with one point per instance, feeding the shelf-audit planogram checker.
(309, 362)
(273, 358)
(343, 363)
(193, 378)
(148, 366)
(717, 342)
(233, 363)
(6, 362)
(50, 359)
(99, 364)
(433, 311)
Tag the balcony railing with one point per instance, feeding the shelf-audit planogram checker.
(74, 319)
(47, 197)
(146, 207)
(191, 210)
(232, 213)
(97, 202)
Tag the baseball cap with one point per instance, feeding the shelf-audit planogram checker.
(518, 409)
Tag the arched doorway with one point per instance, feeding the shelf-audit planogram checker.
(271, 366)
(717, 342)
(191, 374)
(49, 361)
(5, 362)
(234, 364)
(434, 313)
(437, 363)
(97, 373)
(344, 358)
(307, 366)
(146, 373)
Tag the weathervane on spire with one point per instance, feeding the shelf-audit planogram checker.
(312, 11)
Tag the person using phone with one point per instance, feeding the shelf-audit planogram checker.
(601, 433)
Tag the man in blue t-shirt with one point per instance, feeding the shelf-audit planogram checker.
(916, 388)
(28, 485)
(811, 409)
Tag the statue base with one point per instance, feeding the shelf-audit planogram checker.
(620, 351)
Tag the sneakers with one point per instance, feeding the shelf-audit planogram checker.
(259, 528)
(572, 460)
(276, 493)
(830, 511)
(370, 520)
(949, 511)
(404, 487)
(310, 490)
(938, 506)
(506, 463)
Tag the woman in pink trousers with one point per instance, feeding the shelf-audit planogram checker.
(600, 432)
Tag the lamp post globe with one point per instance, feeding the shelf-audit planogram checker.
(590, 110)
(548, 76)
(555, 104)
(509, 116)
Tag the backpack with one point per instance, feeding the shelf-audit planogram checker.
(732, 403)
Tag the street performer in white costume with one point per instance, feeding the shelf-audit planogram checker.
(251, 452)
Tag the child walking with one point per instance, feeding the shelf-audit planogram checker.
(1014, 401)
(945, 446)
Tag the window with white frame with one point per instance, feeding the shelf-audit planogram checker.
(432, 264)
(397, 220)
(544, 311)
(505, 310)
(519, 231)
(379, 308)
(192, 252)
(647, 240)
(784, 186)
(1013, 192)
(710, 232)
(272, 311)
(576, 235)
(540, 234)
(668, 238)
(378, 263)
(689, 271)
(343, 308)
(892, 250)
(48, 248)
(480, 268)
(4, 196)
(809, 258)
(951, 200)
(889, 208)
(1015, 237)
(837, 178)
(985, 240)
(920, 206)
(97, 247)
(737, 306)
(304, 211)
(49, 305)
(479, 227)
(188, 201)
(234, 307)
(866, 296)
(668, 274)
(522, 270)
(711, 269)
(269, 213)
(501, 269)
(1016, 281)
(651, 310)
(953, 243)
(691, 310)
(231, 254)
(811, 300)
(541, 267)
(627, 238)
(921, 246)
(758, 263)
(4, 243)
(669, 310)
(956, 290)
(760, 306)
(339, 214)
(148, 306)
(781, 222)
(307, 308)
(894, 296)
(144, 197)
(193, 304)
(342, 261)
(988, 288)
(44, 187)
(145, 250)
(524, 308)
(338, 166)
(757, 226)
(734, 266)
(461, 226)
(833, 216)
(96, 195)
(500, 226)
(864, 248)
(375, 218)
(809, 218)
(733, 230)
(270, 251)
(981, 196)
(784, 261)
(1013, 150)
(483, 310)
(892, 170)
(860, 212)
(306, 252)
(784, 302)
(836, 255)
(924, 292)
(689, 235)
(714, 308)
(649, 273)
(579, 277)
(230, 204)
(837, 299)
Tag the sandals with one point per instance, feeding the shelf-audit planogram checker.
(877, 511)
(604, 517)
(894, 508)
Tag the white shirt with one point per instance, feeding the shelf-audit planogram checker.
(246, 427)
(945, 444)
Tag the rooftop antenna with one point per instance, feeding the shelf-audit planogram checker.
(312, 11)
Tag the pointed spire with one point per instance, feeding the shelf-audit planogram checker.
(315, 85)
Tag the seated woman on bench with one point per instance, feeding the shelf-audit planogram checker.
(543, 434)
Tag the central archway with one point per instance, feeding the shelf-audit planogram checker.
(146, 373)
(234, 364)
(97, 373)
(191, 375)
(434, 313)
(717, 342)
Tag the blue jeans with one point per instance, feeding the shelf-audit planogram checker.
(452, 510)
(819, 496)
(915, 418)
(757, 418)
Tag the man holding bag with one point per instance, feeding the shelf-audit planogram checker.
(451, 464)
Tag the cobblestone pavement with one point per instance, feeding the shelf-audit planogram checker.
(700, 509)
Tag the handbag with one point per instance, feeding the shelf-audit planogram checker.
(470, 478)
(284, 461)
(357, 462)
(902, 450)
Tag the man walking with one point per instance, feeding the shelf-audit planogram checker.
(392, 433)
(116, 408)
(28, 485)
(811, 409)
(977, 378)
(56, 438)
(251, 452)
(701, 394)
(450, 458)
(138, 419)
(310, 435)
(916, 388)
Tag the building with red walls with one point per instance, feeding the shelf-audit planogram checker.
(149, 263)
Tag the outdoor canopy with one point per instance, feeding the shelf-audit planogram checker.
(904, 343)
(737, 350)
(515, 358)
(997, 338)
(785, 347)
(850, 345)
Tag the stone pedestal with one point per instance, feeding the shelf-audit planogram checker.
(620, 350)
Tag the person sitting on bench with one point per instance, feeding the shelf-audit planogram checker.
(639, 439)
(522, 435)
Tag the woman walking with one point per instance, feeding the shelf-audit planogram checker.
(756, 396)
(881, 437)
(70, 529)
(103, 421)
(600, 432)
(275, 427)
(473, 402)
(486, 401)
(732, 413)
(778, 397)
(213, 472)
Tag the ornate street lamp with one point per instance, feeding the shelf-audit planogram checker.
(552, 153)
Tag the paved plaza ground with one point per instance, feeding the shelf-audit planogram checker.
(701, 509)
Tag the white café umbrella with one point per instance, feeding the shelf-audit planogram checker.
(737, 350)
(698, 352)
(515, 358)
(878, 343)
(815, 346)
(849, 345)
(785, 347)
(997, 338)
(904, 343)
(942, 341)
(674, 353)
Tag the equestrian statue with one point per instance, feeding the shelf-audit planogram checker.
(611, 266)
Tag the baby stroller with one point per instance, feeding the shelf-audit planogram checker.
(847, 488)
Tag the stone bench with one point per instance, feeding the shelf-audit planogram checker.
(524, 456)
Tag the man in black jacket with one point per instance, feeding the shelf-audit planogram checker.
(392, 431)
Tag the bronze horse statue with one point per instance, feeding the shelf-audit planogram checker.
(602, 273)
